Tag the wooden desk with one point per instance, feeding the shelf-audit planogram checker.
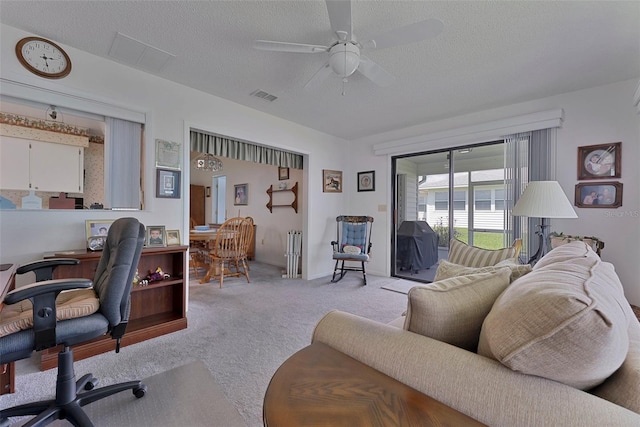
(319, 386)
(7, 371)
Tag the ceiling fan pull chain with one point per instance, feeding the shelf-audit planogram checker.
(344, 84)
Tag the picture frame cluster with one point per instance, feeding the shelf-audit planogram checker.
(598, 162)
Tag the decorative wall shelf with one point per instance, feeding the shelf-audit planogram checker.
(293, 204)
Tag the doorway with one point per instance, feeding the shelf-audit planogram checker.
(440, 195)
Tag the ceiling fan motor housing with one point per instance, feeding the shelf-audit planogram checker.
(344, 58)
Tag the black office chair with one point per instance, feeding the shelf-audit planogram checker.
(112, 287)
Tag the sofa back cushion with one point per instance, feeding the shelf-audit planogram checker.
(448, 269)
(452, 310)
(471, 256)
(564, 321)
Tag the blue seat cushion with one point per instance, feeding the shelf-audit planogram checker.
(350, 257)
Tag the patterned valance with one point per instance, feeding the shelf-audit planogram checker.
(223, 146)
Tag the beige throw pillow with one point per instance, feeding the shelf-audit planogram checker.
(452, 310)
(471, 256)
(564, 321)
(448, 269)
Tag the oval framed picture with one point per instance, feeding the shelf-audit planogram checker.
(367, 181)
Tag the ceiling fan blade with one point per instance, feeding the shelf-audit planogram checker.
(320, 76)
(340, 18)
(374, 72)
(411, 33)
(288, 47)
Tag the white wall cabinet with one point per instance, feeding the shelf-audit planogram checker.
(40, 166)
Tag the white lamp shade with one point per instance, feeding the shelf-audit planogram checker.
(544, 199)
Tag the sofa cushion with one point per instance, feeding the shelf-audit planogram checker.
(623, 387)
(69, 305)
(448, 269)
(471, 256)
(452, 310)
(563, 321)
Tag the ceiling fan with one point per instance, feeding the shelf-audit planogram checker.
(345, 53)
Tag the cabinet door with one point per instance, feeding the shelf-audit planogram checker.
(14, 163)
(56, 167)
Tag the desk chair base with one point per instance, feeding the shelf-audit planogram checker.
(343, 270)
(71, 396)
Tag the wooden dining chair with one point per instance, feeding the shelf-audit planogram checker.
(229, 252)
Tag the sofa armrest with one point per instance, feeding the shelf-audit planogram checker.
(474, 385)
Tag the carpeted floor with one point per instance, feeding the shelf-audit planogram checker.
(242, 333)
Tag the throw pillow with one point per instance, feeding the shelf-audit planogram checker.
(471, 256)
(69, 305)
(353, 250)
(564, 321)
(448, 269)
(452, 310)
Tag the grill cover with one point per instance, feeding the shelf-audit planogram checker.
(417, 245)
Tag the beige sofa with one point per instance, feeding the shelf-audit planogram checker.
(561, 345)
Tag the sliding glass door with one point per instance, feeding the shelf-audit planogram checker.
(440, 195)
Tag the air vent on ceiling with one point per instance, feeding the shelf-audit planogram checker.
(133, 52)
(263, 95)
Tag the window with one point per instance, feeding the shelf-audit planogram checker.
(482, 200)
(499, 199)
(459, 200)
(442, 200)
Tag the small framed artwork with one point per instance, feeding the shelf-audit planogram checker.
(156, 236)
(331, 181)
(367, 181)
(167, 183)
(168, 154)
(241, 194)
(173, 237)
(600, 161)
(96, 231)
(599, 195)
(283, 173)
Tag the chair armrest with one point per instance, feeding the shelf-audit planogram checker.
(43, 296)
(335, 245)
(44, 268)
(45, 287)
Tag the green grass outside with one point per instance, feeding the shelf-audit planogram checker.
(481, 239)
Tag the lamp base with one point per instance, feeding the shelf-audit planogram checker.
(543, 246)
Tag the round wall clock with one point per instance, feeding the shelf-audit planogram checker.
(43, 57)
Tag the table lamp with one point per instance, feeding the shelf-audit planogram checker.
(543, 199)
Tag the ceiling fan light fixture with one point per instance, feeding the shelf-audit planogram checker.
(344, 59)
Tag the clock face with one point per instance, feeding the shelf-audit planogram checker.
(43, 57)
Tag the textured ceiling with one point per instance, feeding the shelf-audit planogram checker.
(490, 53)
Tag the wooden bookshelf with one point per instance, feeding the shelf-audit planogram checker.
(157, 309)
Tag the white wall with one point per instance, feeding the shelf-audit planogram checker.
(171, 110)
(593, 116)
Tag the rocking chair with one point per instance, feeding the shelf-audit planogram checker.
(353, 244)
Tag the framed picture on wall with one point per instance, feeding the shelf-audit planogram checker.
(331, 181)
(283, 173)
(173, 237)
(168, 183)
(600, 161)
(599, 195)
(241, 194)
(367, 181)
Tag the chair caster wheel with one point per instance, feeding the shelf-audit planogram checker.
(140, 391)
(91, 384)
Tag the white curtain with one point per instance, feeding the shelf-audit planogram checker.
(122, 164)
(529, 156)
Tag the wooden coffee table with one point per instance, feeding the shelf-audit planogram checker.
(319, 386)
